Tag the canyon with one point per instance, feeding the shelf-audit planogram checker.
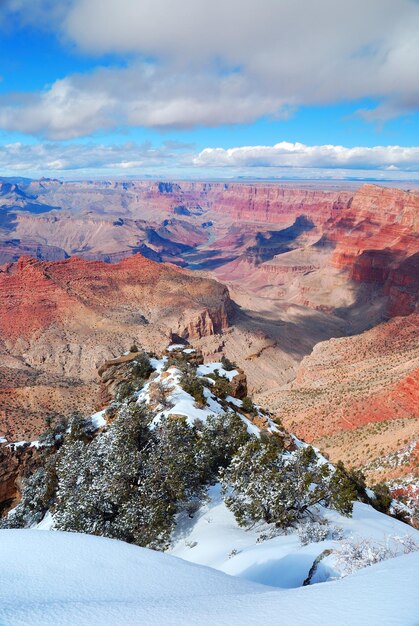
(311, 289)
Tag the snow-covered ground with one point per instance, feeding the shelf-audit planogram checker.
(65, 579)
(214, 538)
(182, 403)
(60, 579)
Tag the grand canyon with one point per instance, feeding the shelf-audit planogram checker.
(311, 289)
(209, 324)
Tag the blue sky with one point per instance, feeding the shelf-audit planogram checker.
(198, 89)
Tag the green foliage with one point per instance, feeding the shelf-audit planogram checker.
(248, 406)
(382, 497)
(80, 428)
(263, 483)
(221, 387)
(37, 497)
(193, 385)
(130, 481)
(227, 364)
(342, 491)
(220, 439)
(124, 391)
(141, 368)
(54, 434)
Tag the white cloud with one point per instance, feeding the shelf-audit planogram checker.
(220, 61)
(298, 155)
(298, 51)
(140, 95)
(56, 158)
(176, 161)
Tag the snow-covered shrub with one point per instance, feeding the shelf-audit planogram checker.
(248, 406)
(382, 500)
(313, 531)
(221, 386)
(141, 368)
(219, 440)
(406, 543)
(356, 553)
(130, 481)
(81, 428)
(192, 385)
(37, 495)
(124, 391)
(336, 533)
(264, 483)
(54, 434)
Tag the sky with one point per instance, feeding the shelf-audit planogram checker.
(210, 89)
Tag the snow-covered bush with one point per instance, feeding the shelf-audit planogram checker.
(130, 481)
(193, 385)
(356, 553)
(219, 440)
(141, 368)
(37, 495)
(264, 483)
(312, 531)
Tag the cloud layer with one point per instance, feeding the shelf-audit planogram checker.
(178, 160)
(195, 62)
(298, 155)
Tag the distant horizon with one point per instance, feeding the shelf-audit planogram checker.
(336, 182)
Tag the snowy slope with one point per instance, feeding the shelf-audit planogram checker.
(64, 579)
(213, 534)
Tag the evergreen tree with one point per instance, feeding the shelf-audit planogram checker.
(264, 483)
(220, 439)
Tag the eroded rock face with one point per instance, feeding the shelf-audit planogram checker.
(68, 317)
(335, 262)
(14, 463)
(356, 398)
(238, 384)
(377, 242)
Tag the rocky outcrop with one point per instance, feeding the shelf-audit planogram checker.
(15, 461)
(238, 385)
(34, 295)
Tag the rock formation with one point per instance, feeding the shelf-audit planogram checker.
(356, 398)
(59, 321)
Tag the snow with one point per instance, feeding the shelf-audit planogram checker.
(215, 572)
(234, 401)
(158, 364)
(46, 523)
(3, 440)
(280, 561)
(175, 346)
(209, 368)
(98, 419)
(182, 403)
(188, 351)
(63, 579)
